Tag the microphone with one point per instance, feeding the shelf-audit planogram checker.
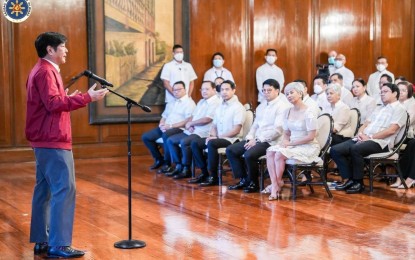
(102, 81)
(145, 108)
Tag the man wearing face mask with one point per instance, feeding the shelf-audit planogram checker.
(268, 71)
(332, 56)
(218, 70)
(347, 74)
(374, 78)
(177, 70)
(320, 85)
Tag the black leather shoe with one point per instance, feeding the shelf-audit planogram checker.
(251, 188)
(64, 252)
(40, 248)
(157, 164)
(356, 188)
(211, 181)
(165, 168)
(183, 174)
(345, 185)
(199, 179)
(173, 172)
(239, 186)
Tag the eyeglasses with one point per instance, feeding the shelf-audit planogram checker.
(177, 89)
(268, 90)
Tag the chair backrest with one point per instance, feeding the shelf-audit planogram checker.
(248, 106)
(354, 120)
(325, 128)
(402, 134)
(249, 120)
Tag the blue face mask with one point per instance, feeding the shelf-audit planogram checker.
(217, 63)
(338, 64)
(331, 60)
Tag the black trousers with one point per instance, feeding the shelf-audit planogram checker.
(407, 160)
(244, 163)
(349, 157)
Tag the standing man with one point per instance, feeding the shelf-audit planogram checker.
(347, 74)
(225, 130)
(218, 71)
(173, 118)
(268, 71)
(48, 129)
(177, 70)
(331, 60)
(373, 83)
(197, 127)
(265, 131)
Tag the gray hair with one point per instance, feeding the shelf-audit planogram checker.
(296, 86)
(335, 87)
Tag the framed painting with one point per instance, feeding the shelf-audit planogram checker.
(128, 43)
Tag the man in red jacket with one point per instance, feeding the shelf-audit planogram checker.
(48, 129)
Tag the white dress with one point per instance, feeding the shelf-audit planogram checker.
(306, 153)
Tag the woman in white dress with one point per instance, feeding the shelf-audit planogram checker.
(299, 142)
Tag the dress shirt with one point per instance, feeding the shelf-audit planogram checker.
(178, 110)
(54, 64)
(341, 118)
(373, 83)
(204, 108)
(229, 114)
(366, 106)
(174, 71)
(265, 72)
(409, 105)
(348, 77)
(321, 99)
(309, 102)
(212, 73)
(269, 117)
(346, 96)
(384, 117)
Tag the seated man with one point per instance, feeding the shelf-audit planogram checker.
(376, 135)
(197, 127)
(265, 130)
(346, 95)
(226, 129)
(175, 116)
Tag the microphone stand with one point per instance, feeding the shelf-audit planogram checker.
(130, 243)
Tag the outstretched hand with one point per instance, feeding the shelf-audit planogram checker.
(97, 94)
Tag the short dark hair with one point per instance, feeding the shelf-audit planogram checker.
(46, 39)
(177, 46)
(302, 82)
(218, 53)
(408, 86)
(362, 81)
(322, 77)
(268, 50)
(382, 57)
(340, 76)
(212, 84)
(401, 78)
(179, 82)
(271, 82)
(393, 88)
(230, 82)
(388, 78)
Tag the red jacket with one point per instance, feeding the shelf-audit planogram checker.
(48, 122)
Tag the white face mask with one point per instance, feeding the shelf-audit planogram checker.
(178, 57)
(217, 63)
(270, 59)
(317, 89)
(338, 64)
(380, 67)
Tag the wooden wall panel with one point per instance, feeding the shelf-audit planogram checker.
(5, 84)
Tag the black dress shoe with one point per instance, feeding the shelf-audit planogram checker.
(40, 248)
(64, 252)
(211, 181)
(157, 164)
(239, 186)
(345, 185)
(251, 188)
(165, 168)
(356, 188)
(183, 174)
(173, 172)
(200, 178)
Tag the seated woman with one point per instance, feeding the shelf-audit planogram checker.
(340, 113)
(362, 101)
(406, 161)
(299, 139)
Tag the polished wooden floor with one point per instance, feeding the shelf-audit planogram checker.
(181, 221)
